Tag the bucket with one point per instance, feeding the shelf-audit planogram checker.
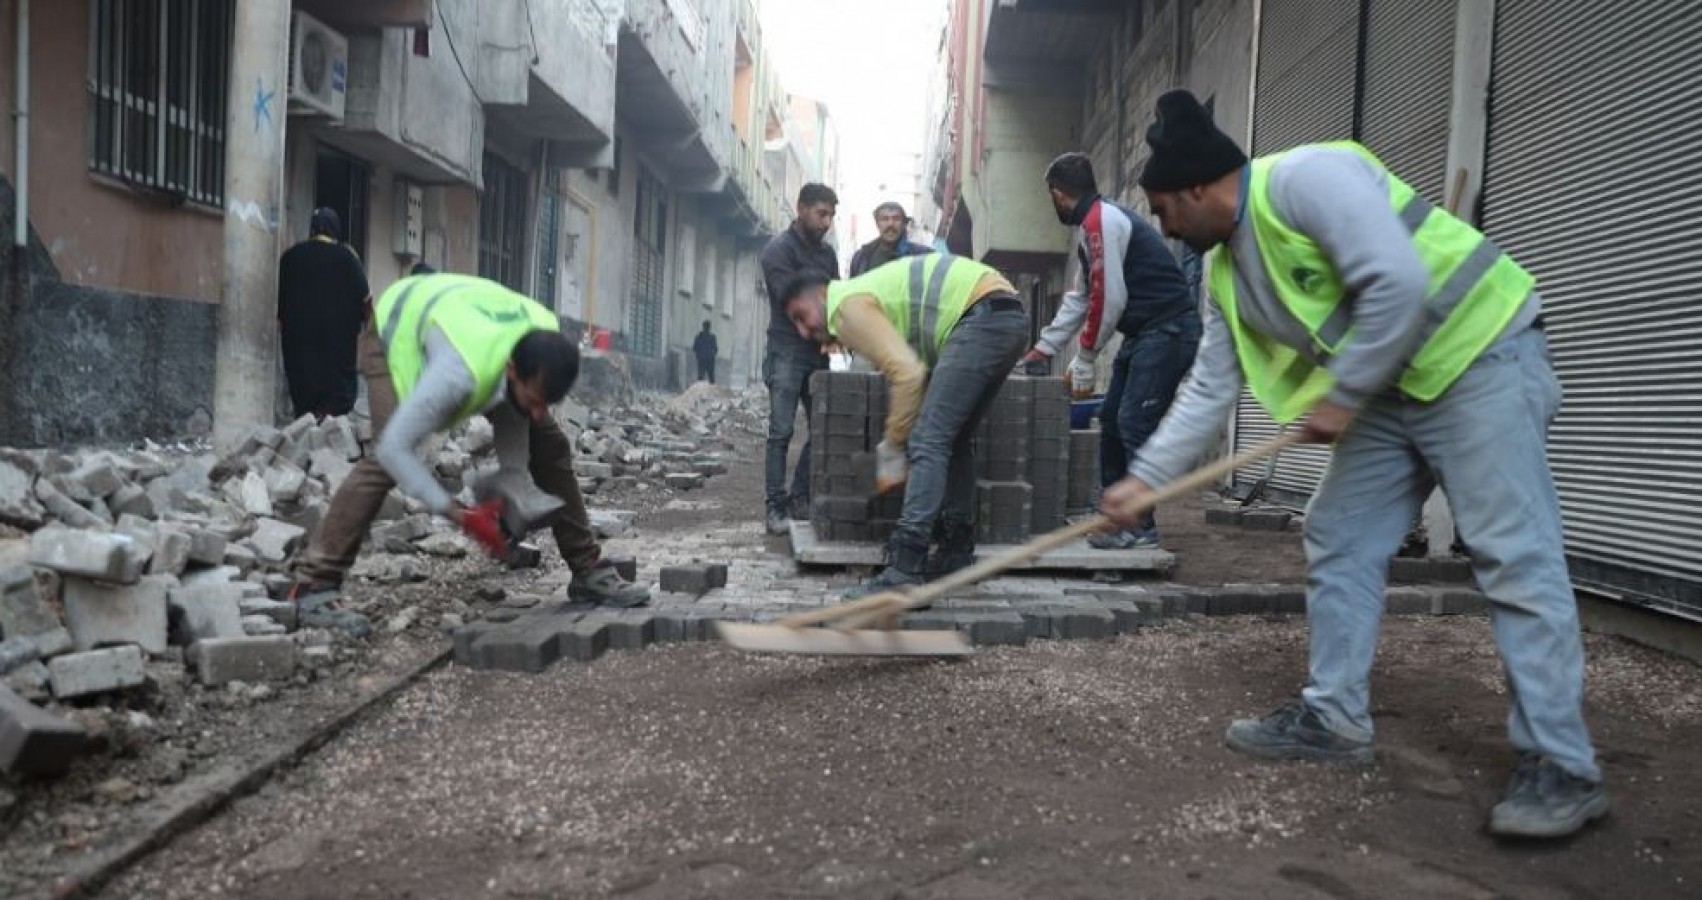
(1083, 412)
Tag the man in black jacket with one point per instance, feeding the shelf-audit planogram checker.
(322, 301)
(891, 243)
(791, 359)
(706, 348)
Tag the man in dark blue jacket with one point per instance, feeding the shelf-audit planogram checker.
(1130, 284)
(892, 242)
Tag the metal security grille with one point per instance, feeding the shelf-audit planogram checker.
(158, 77)
(1409, 76)
(650, 238)
(1623, 301)
(549, 250)
(1307, 64)
(502, 224)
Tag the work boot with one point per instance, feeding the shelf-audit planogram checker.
(324, 609)
(1295, 731)
(956, 551)
(903, 570)
(1125, 539)
(778, 522)
(604, 586)
(1545, 801)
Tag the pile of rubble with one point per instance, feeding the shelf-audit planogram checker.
(141, 558)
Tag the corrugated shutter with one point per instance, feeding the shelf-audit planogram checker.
(1596, 112)
(1307, 60)
(1409, 83)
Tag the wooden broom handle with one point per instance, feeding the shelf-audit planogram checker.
(928, 593)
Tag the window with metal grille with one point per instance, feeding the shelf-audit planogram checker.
(502, 224)
(158, 87)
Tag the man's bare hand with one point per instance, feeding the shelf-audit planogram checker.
(1326, 422)
(1127, 501)
(1034, 356)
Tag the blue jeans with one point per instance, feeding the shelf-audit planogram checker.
(1148, 369)
(1484, 441)
(787, 376)
(973, 365)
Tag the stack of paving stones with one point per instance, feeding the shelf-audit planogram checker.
(1083, 489)
(1021, 460)
(1002, 614)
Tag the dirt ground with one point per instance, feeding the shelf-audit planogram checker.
(1059, 770)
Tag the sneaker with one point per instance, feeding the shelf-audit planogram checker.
(1146, 538)
(778, 523)
(1545, 801)
(890, 578)
(1295, 731)
(604, 586)
(1121, 539)
(325, 610)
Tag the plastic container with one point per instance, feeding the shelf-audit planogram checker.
(1083, 412)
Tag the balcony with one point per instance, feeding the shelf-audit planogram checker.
(1038, 46)
(415, 114)
(660, 70)
(549, 74)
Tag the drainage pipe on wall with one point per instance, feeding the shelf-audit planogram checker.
(21, 127)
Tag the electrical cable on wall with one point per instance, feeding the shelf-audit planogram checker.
(449, 38)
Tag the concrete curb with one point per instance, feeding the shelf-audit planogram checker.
(552, 632)
(202, 797)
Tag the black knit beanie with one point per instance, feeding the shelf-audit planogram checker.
(1187, 149)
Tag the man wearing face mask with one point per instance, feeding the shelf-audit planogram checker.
(453, 347)
(1128, 284)
(893, 241)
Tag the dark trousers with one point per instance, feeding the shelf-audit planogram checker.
(787, 376)
(706, 369)
(1148, 369)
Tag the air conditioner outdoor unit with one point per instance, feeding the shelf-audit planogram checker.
(319, 68)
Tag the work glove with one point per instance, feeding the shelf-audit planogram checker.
(483, 523)
(1082, 376)
(891, 469)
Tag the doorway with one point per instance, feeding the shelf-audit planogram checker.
(344, 184)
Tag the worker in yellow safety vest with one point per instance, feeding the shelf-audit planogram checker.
(1348, 304)
(439, 350)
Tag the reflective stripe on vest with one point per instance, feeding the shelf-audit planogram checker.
(922, 296)
(1473, 291)
(925, 306)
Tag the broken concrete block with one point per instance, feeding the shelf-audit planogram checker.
(261, 626)
(1266, 519)
(221, 660)
(299, 429)
(64, 510)
(278, 611)
(101, 614)
(329, 466)
(274, 541)
(95, 671)
(33, 741)
(31, 682)
(98, 476)
(206, 548)
(399, 536)
(479, 436)
(593, 469)
(252, 495)
(241, 557)
(26, 610)
(261, 436)
(172, 547)
(611, 523)
(206, 611)
(285, 483)
(17, 652)
(340, 436)
(683, 481)
(1224, 515)
(18, 503)
(132, 500)
(87, 554)
(444, 544)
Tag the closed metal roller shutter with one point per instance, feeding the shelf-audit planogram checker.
(1307, 59)
(1409, 79)
(1596, 111)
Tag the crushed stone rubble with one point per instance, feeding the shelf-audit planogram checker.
(125, 570)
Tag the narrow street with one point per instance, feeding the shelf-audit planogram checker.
(1060, 769)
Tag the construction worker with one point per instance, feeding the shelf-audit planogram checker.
(1128, 284)
(439, 350)
(1384, 325)
(945, 331)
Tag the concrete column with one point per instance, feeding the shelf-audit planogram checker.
(244, 385)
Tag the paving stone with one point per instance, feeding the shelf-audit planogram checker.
(1266, 519)
(215, 575)
(465, 638)
(251, 659)
(65, 511)
(526, 645)
(630, 631)
(285, 483)
(99, 477)
(32, 682)
(172, 547)
(1407, 601)
(17, 652)
(340, 436)
(1224, 515)
(132, 500)
(1412, 570)
(1459, 602)
(241, 557)
(101, 614)
(691, 579)
(329, 466)
(274, 541)
(279, 611)
(206, 611)
(206, 548)
(95, 671)
(588, 469)
(585, 639)
(1068, 622)
(26, 610)
(683, 481)
(1134, 613)
(90, 554)
(33, 741)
